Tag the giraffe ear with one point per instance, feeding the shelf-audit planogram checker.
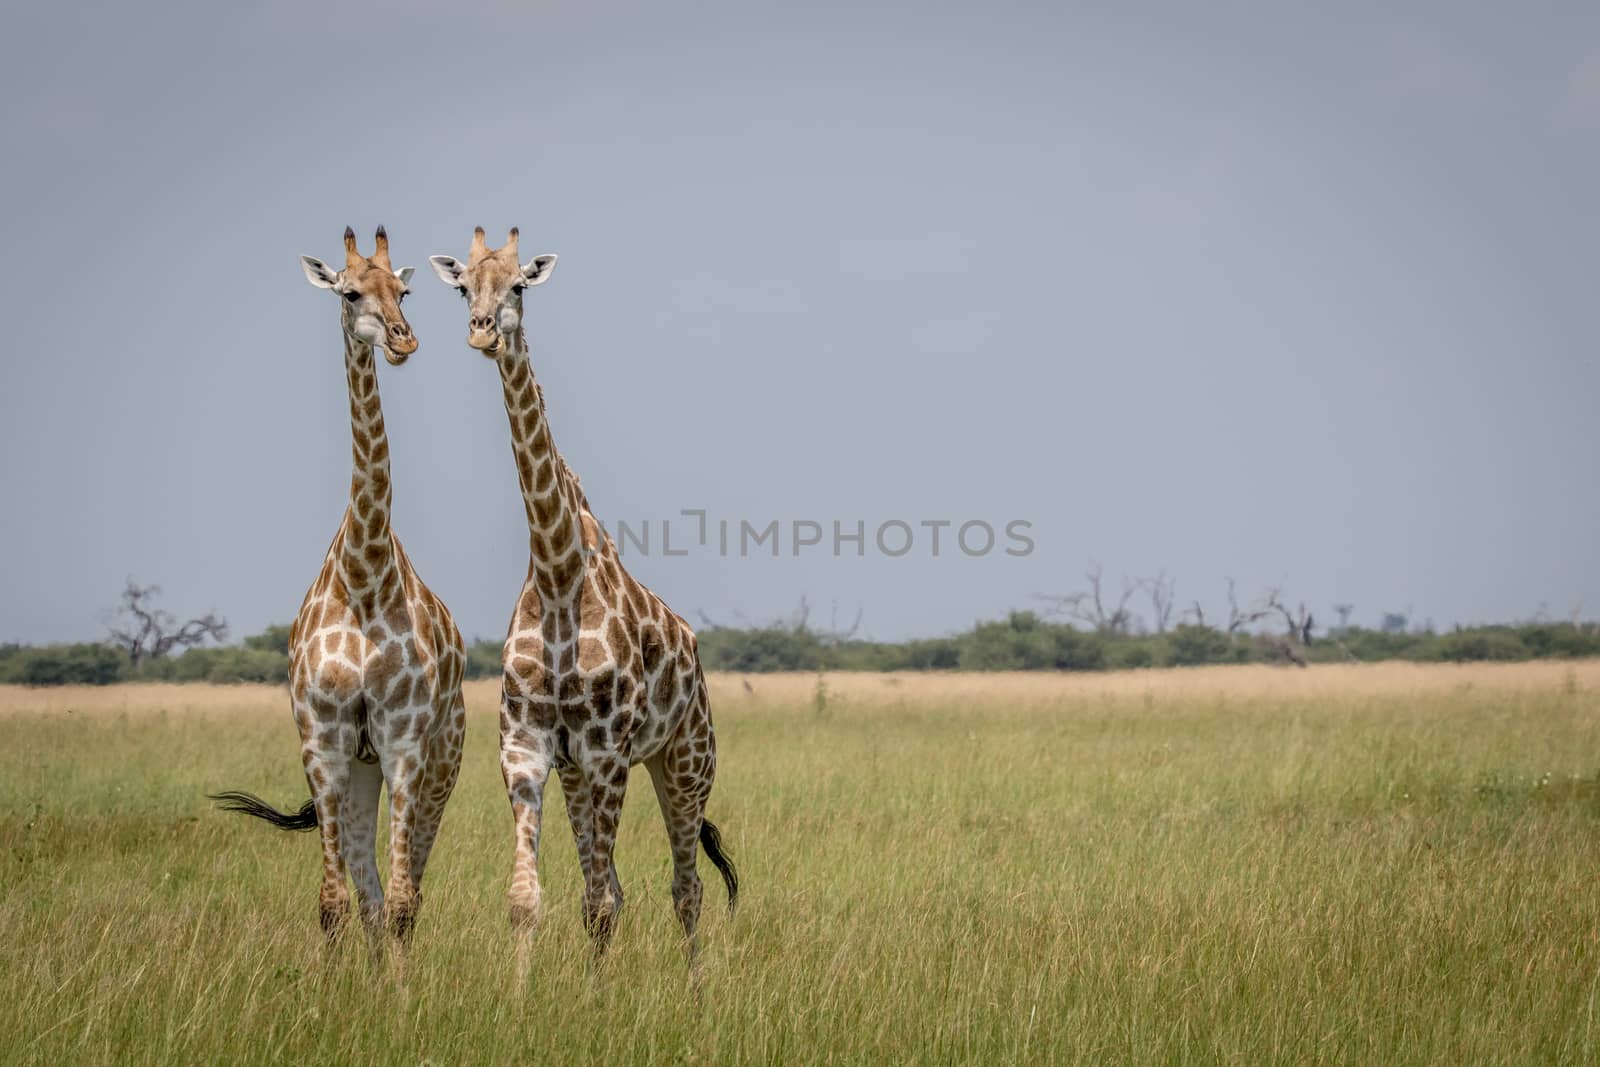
(404, 274)
(449, 269)
(319, 273)
(537, 270)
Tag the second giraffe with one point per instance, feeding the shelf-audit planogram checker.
(599, 674)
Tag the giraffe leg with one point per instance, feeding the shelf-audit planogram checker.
(346, 800)
(525, 758)
(328, 789)
(606, 774)
(358, 833)
(402, 756)
(444, 766)
(580, 812)
(682, 773)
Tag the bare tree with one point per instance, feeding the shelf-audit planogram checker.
(144, 631)
(1298, 625)
(834, 635)
(1161, 590)
(1090, 606)
(1344, 611)
(797, 622)
(1239, 618)
(740, 618)
(800, 619)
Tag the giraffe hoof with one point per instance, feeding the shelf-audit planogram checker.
(332, 918)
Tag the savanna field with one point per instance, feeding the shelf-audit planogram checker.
(1348, 864)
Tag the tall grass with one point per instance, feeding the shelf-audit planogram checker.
(1395, 864)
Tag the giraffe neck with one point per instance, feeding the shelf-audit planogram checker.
(549, 495)
(367, 545)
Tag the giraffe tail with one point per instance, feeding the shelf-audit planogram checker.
(711, 841)
(250, 804)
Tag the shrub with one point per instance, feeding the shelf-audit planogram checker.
(1023, 641)
(1561, 640)
(1192, 646)
(82, 664)
(772, 648)
(1131, 653)
(272, 639)
(483, 658)
(930, 654)
(1485, 643)
(225, 665)
(1372, 645)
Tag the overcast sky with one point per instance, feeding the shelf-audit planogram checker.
(1302, 297)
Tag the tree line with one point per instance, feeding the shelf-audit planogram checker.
(1085, 630)
(1025, 641)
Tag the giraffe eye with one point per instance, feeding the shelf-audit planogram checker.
(352, 296)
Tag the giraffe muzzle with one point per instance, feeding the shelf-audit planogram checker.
(486, 341)
(399, 342)
(398, 349)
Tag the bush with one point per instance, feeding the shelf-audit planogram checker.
(1467, 646)
(1372, 645)
(930, 654)
(1560, 640)
(1193, 646)
(83, 664)
(483, 658)
(164, 669)
(1007, 645)
(1024, 642)
(1132, 653)
(769, 649)
(272, 639)
(226, 665)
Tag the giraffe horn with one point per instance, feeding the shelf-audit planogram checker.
(380, 256)
(511, 242)
(479, 247)
(351, 256)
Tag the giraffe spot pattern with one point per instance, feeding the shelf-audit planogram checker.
(374, 655)
(599, 674)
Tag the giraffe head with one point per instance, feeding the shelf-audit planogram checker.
(370, 291)
(492, 281)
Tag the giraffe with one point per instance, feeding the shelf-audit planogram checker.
(598, 673)
(375, 660)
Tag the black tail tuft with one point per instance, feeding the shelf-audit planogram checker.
(711, 841)
(249, 804)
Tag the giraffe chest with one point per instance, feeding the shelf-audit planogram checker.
(568, 670)
(592, 693)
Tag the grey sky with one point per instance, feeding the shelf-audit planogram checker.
(1300, 296)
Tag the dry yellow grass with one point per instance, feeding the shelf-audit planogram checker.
(870, 689)
(1252, 681)
(1365, 864)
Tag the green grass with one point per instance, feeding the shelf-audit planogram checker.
(1130, 874)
